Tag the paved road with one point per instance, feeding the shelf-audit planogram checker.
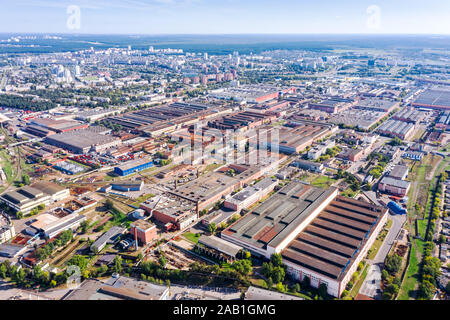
(373, 279)
(371, 286)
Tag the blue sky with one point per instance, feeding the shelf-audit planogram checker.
(228, 16)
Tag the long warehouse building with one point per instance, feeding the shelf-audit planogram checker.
(321, 235)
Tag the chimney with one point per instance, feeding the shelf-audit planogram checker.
(135, 238)
(198, 213)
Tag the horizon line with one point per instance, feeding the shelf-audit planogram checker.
(224, 34)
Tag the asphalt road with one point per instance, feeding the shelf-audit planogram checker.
(371, 285)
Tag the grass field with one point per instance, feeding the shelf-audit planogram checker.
(379, 240)
(407, 290)
(192, 237)
(142, 199)
(360, 282)
(349, 193)
(412, 274)
(323, 182)
(6, 165)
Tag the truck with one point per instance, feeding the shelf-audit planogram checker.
(395, 208)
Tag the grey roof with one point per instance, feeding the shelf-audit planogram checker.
(220, 245)
(272, 221)
(395, 182)
(399, 171)
(128, 288)
(80, 139)
(26, 194)
(65, 225)
(11, 250)
(104, 238)
(134, 163)
(254, 293)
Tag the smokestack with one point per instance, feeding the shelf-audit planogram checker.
(135, 238)
(198, 213)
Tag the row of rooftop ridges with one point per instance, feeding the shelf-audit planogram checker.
(329, 243)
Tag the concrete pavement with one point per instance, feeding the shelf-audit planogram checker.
(371, 285)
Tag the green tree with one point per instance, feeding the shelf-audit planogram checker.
(269, 283)
(118, 264)
(393, 263)
(162, 261)
(432, 266)
(323, 290)
(266, 269)
(278, 274)
(280, 287)
(109, 205)
(306, 282)
(78, 260)
(25, 179)
(212, 227)
(276, 260)
(3, 271)
(84, 225)
(296, 287)
(426, 290)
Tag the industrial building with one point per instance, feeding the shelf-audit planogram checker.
(119, 288)
(351, 154)
(133, 166)
(320, 149)
(320, 235)
(213, 186)
(394, 186)
(241, 120)
(256, 293)
(411, 115)
(359, 118)
(296, 136)
(245, 198)
(71, 221)
(316, 167)
(399, 172)
(144, 231)
(127, 186)
(11, 250)
(395, 128)
(94, 115)
(83, 141)
(250, 93)
(109, 236)
(58, 126)
(69, 167)
(332, 105)
(7, 230)
(26, 198)
(376, 104)
(413, 155)
(174, 211)
(160, 119)
(436, 98)
(217, 248)
(443, 122)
